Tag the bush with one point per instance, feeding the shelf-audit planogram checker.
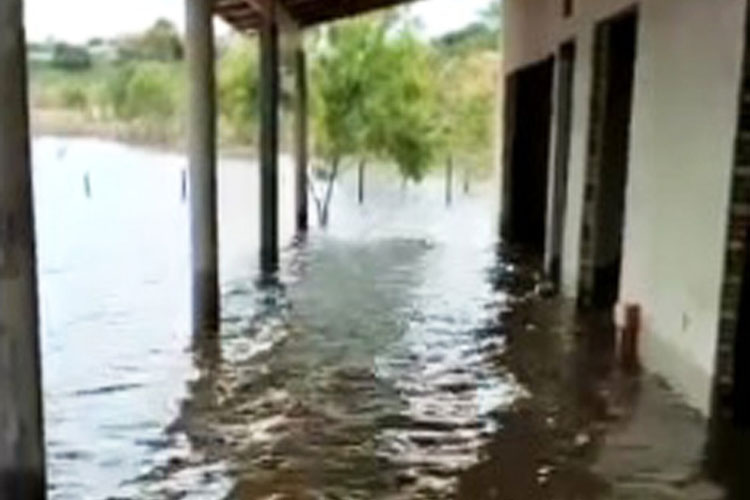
(238, 90)
(74, 97)
(144, 91)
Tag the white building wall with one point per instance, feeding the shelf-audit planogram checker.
(688, 71)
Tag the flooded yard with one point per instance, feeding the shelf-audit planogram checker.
(401, 353)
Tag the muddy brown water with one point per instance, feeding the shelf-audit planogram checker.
(400, 354)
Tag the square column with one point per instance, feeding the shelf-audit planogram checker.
(202, 165)
(269, 141)
(22, 474)
(301, 116)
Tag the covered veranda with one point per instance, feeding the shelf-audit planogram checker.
(279, 25)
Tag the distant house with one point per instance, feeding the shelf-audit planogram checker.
(627, 164)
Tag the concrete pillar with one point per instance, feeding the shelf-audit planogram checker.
(21, 430)
(202, 164)
(302, 143)
(269, 142)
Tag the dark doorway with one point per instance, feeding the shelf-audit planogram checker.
(612, 102)
(741, 396)
(528, 117)
(565, 79)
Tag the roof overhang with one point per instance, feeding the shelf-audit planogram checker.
(247, 15)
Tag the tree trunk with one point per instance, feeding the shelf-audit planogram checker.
(361, 182)
(323, 205)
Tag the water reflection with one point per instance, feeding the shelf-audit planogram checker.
(364, 368)
(113, 322)
(728, 456)
(401, 354)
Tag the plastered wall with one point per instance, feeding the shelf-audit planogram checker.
(683, 128)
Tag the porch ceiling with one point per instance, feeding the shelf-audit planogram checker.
(245, 15)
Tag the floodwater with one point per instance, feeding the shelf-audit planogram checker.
(400, 354)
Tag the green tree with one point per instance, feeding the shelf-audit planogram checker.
(71, 57)
(161, 42)
(238, 89)
(467, 95)
(146, 92)
(482, 35)
(343, 60)
(492, 17)
(402, 110)
(371, 99)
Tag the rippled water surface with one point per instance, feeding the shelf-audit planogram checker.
(396, 356)
(364, 369)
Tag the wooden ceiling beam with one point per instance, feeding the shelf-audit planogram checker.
(316, 12)
(248, 14)
(240, 14)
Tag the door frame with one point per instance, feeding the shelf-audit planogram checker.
(560, 158)
(601, 60)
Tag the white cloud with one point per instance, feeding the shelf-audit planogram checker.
(80, 20)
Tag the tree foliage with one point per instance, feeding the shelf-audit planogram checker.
(372, 98)
(71, 57)
(145, 91)
(238, 89)
(467, 110)
(480, 36)
(379, 93)
(469, 60)
(345, 63)
(401, 114)
(162, 42)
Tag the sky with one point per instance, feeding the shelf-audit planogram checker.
(81, 20)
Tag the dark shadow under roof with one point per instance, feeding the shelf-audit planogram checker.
(245, 15)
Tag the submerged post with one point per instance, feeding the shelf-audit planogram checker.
(361, 182)
(449, 181)
(301, 133)
(269, 141)
(202, 165)
(21, 430)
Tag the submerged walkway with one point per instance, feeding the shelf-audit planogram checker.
(592, 431)
(404, 356)
(401, 355)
